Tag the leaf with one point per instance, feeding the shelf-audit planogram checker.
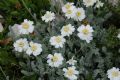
(32, 77)
(27, 73)
(6, 58)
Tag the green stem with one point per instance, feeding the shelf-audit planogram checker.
(50, 28)
(3, 73)
(79, 2)
(28, 10)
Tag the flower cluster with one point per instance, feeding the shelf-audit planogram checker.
(22, 45)
(84, 32)
(71, 11)
(114, 73)
(57, 59)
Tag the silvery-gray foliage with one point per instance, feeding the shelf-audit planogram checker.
(114, 2)
(93, 59)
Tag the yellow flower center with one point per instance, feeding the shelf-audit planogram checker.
(21, 44)
(85, 31)
(78, 14)
(67, 6)
(33, 47)
(66, 29)
(25, 25)
(69, 12)
(115, 74)
(70, 72)
(58, 39)
(54, 58)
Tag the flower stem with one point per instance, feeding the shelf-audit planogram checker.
(28, 10)
(3, 73)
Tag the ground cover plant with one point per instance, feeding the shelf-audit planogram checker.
(69, 40)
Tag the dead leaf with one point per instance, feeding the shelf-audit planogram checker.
(5, 41)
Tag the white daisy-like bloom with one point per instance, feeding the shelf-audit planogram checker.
(34, 49)
(15, 30)
(55, 60)
(21, 45)
(69, 10)
(85, 33)
(99, 4)
(67, 30)
(1, 28)
(70, 13)
(68, 6)
(57, 41)
(89, 3)
(79, 14)
(26, 27)
(71, 61)
(70, 73)
(113, 74)
(49, 16)
(118, 36)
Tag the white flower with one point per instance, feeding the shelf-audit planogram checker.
(55, 60)
(71, 73)
(49, 16)
(70, 13)
(26, 27)
(88, 3)
(15, 30)
(34, 49)
(21, 45)
(79, 14)
(1, 16)
(68, 6)
(85, 33)
(113, 74)
(71, 61)
(1, 28)
(118, 36)
(57, 41)
(67, 30)
(99, 4)
(69, 10)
